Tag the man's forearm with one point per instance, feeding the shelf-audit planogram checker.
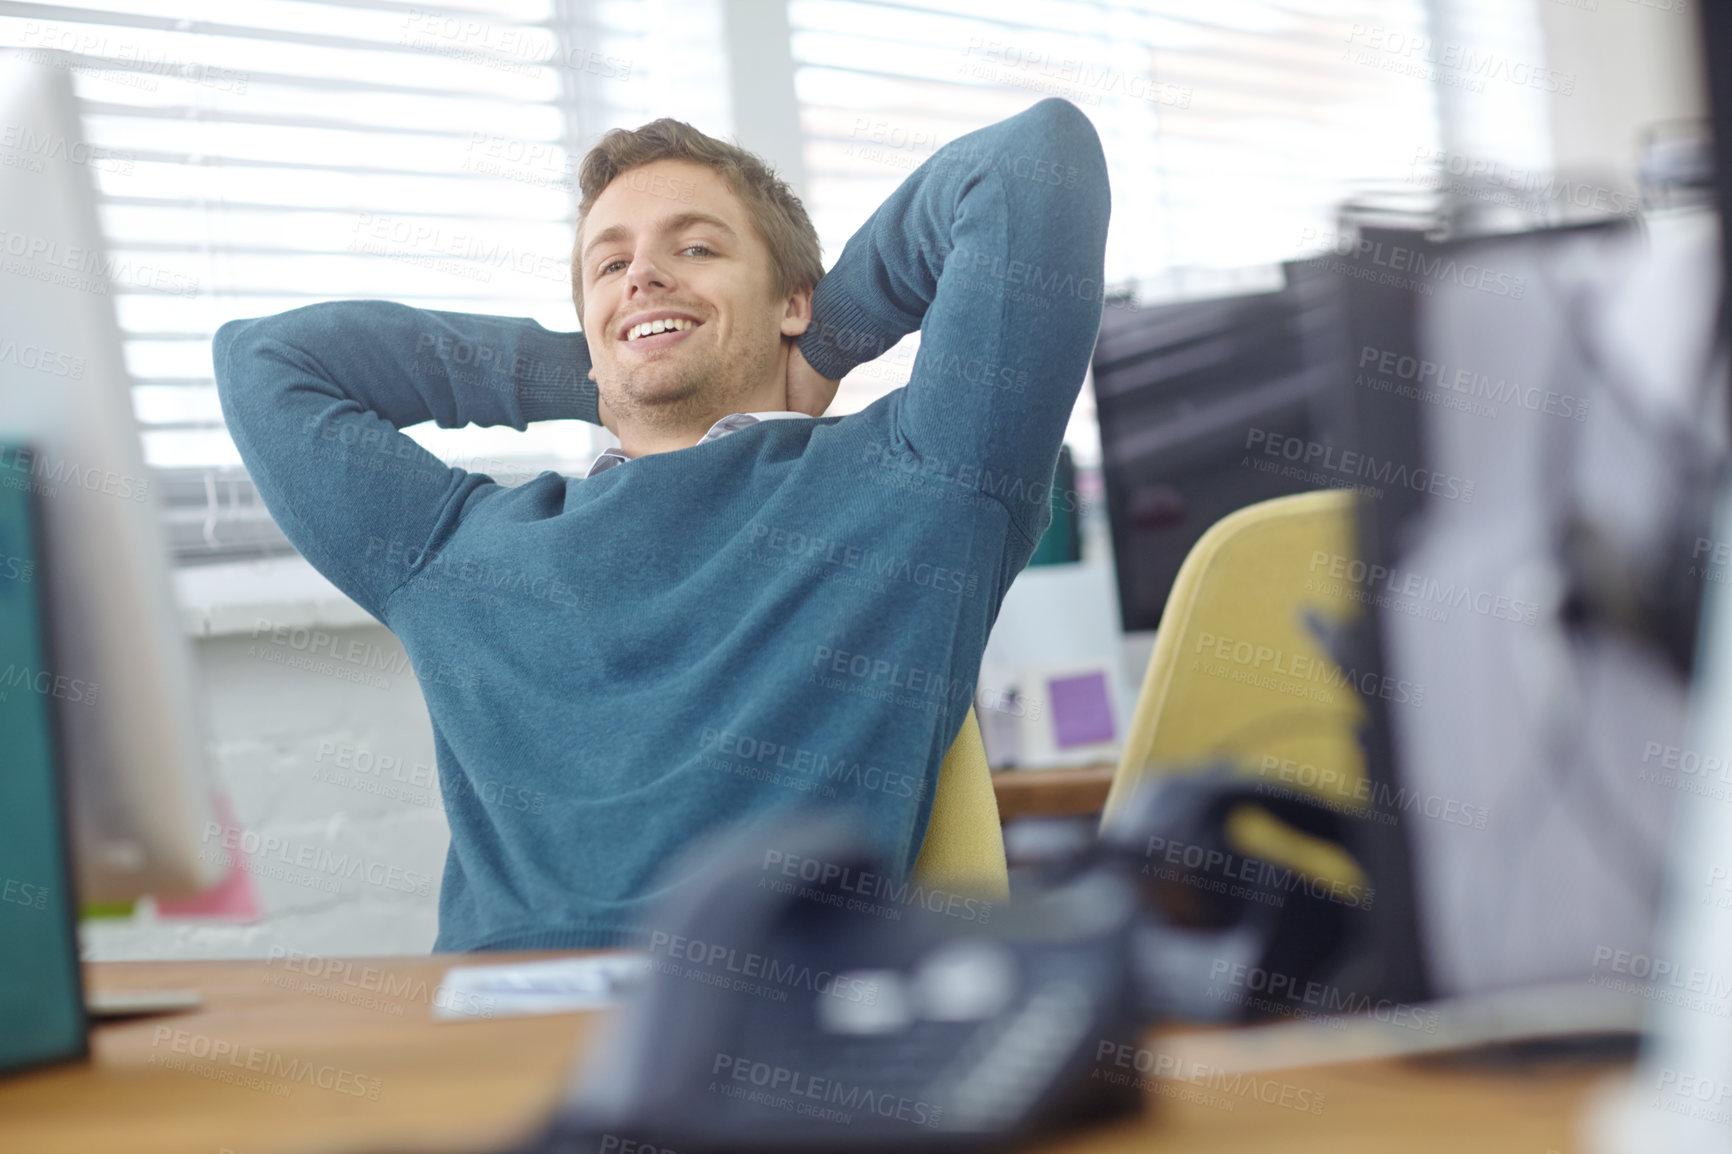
(995, 250)
(316, 398)
(411, 365)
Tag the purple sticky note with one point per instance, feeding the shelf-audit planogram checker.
(1081, 712)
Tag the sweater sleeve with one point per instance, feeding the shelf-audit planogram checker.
(315, 398)
(994, 249)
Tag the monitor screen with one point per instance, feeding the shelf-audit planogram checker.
(1185, 393)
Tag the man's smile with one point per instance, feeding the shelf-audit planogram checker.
(657, 330)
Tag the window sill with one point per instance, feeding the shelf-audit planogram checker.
(240, 596)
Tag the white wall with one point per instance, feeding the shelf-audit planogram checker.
(331, 756)
(1636, 62)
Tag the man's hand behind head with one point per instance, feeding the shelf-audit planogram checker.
(808, 391)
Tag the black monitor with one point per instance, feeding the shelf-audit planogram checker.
(1181, 389)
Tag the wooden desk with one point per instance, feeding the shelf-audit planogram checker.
(1052, 792)
(476, 1085)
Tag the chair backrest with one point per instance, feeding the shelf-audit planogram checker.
(1236, 675)
(964, 847)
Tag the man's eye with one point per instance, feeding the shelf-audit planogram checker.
(610, 264)
(698, 248)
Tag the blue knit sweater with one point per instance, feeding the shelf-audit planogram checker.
(790, 615)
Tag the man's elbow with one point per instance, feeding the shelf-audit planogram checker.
(233, 345)
(1063, 135)
(227, 333)
(1059, 116)
(1062, 125)
(222, 347)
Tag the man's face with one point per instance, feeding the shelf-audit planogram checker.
(670, 242)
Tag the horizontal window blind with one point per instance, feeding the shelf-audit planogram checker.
(1231, 129)
(252, 156)
(255, 155)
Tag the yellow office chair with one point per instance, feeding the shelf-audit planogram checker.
(1236, 676)
(964, 847)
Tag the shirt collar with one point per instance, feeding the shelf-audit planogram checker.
(733, 422)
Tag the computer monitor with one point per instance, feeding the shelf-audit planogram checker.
(1546, 414)
(1676, 1098)
(133, 748)
(41, 1002)
(1180, 390)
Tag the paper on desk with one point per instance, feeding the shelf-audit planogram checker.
(559, 986)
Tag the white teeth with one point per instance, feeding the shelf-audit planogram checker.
(650, 328)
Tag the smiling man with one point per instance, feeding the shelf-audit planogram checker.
(693, 293)
(746, 607)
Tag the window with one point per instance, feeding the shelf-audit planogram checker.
(1231, 129)
(259, 155)
(264, 154)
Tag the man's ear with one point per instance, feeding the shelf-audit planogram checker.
(797, 316)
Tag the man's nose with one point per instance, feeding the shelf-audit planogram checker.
(643, 273)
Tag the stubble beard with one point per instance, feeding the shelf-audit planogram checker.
(683, 395)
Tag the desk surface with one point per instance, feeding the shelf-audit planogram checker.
(1052, 792)
(476, 1085)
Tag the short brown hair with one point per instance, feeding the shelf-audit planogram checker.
(771, 205)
